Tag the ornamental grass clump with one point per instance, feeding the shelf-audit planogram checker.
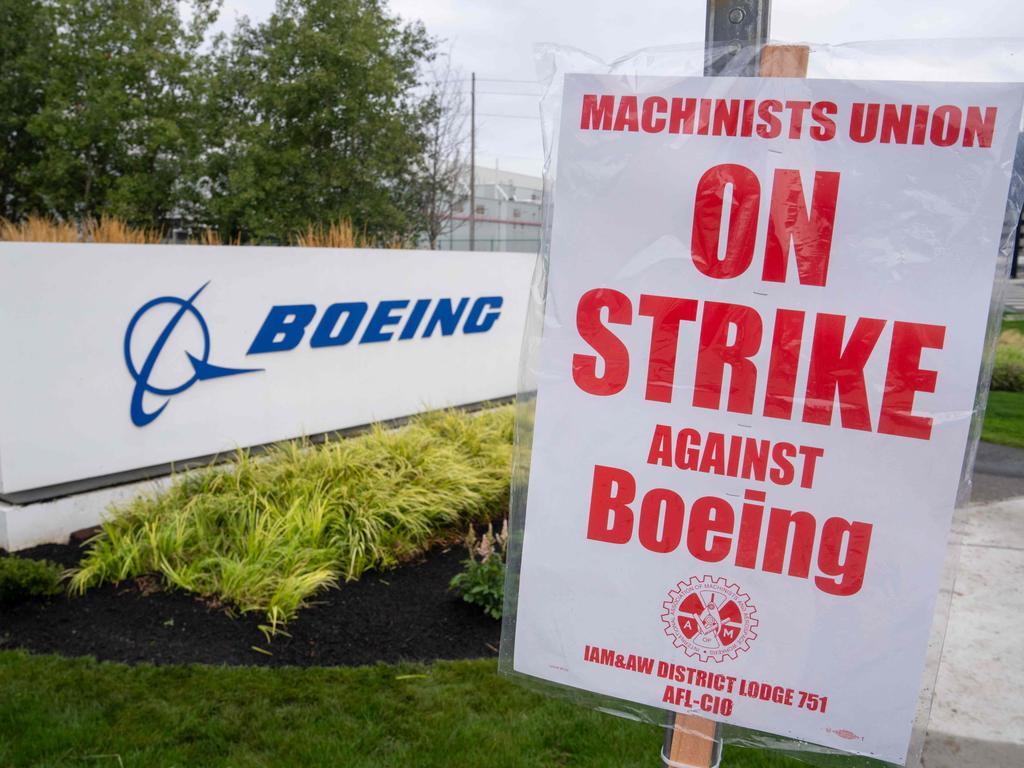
(266, 534)
(23, 579)
(1008, 372)
(105, 229)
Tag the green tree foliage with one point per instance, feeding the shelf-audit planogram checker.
(26, 35)
(116, 129)
(314, 114)
(121, 107)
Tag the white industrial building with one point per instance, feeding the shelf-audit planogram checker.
(507, 217)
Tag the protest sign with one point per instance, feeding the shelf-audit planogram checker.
(764, 325)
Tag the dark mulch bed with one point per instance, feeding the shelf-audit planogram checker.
(406, 614)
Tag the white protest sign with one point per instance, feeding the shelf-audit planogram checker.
(764, 324)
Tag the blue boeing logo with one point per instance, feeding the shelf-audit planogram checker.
(283, 329)
(201, 368)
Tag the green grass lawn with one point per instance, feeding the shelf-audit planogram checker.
(1013, 323)
(1004, 419)
(78, 712)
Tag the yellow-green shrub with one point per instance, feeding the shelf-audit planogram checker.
(267, 533)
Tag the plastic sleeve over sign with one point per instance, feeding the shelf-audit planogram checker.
(733, 366)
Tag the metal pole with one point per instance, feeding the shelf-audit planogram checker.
(1018, 246)
(1018, 232)
(735, 29)
(472, 163)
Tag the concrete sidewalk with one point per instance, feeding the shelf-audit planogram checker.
(977, 718)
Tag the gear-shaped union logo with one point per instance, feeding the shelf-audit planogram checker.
(709, 618)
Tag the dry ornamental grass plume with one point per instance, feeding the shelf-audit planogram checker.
(211, 236)
(340, 234)
(37, 229)
(112, 230)
(107, 229)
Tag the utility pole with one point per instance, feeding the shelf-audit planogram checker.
(472, 162)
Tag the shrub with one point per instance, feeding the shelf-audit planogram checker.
(23, 579)
(482, 581)
(1008, 372)
(267, 533)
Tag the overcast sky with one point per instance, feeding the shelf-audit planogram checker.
(496, 40)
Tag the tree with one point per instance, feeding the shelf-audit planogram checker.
(25, 45)
(444, 160)
(320, 118)
(116, 128)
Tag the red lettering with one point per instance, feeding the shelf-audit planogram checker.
(785, 361)
(666, 314)
(896, 124)
(780, 523)
(716, 351)
(627, 118)
(980, 128)
(687, 456)
(652, 120)
(825, 130)
(782, 453)
(810, 456)
(611, 519)
(945, 126)
(796, 117)
(755, 459)
(597, 112)
(660, 532)
(727, 116)
(704, 118)
(750, 528)
(707, 220)
(613, 352)
(809, 233)
(832, 371)
(680, 117)
(863, 122)
(920, 124)
(713, 460)
(771, 126)
(710, 515)
(847, 573)
(905, 378)
(661, 446)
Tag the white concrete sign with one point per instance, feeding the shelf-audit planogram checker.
(766, 309)
(119, 357)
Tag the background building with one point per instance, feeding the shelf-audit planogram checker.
(508, 213)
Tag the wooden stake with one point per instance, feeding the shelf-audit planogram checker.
(691, 741)
(784, 60)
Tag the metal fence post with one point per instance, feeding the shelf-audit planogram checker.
(731, 27)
